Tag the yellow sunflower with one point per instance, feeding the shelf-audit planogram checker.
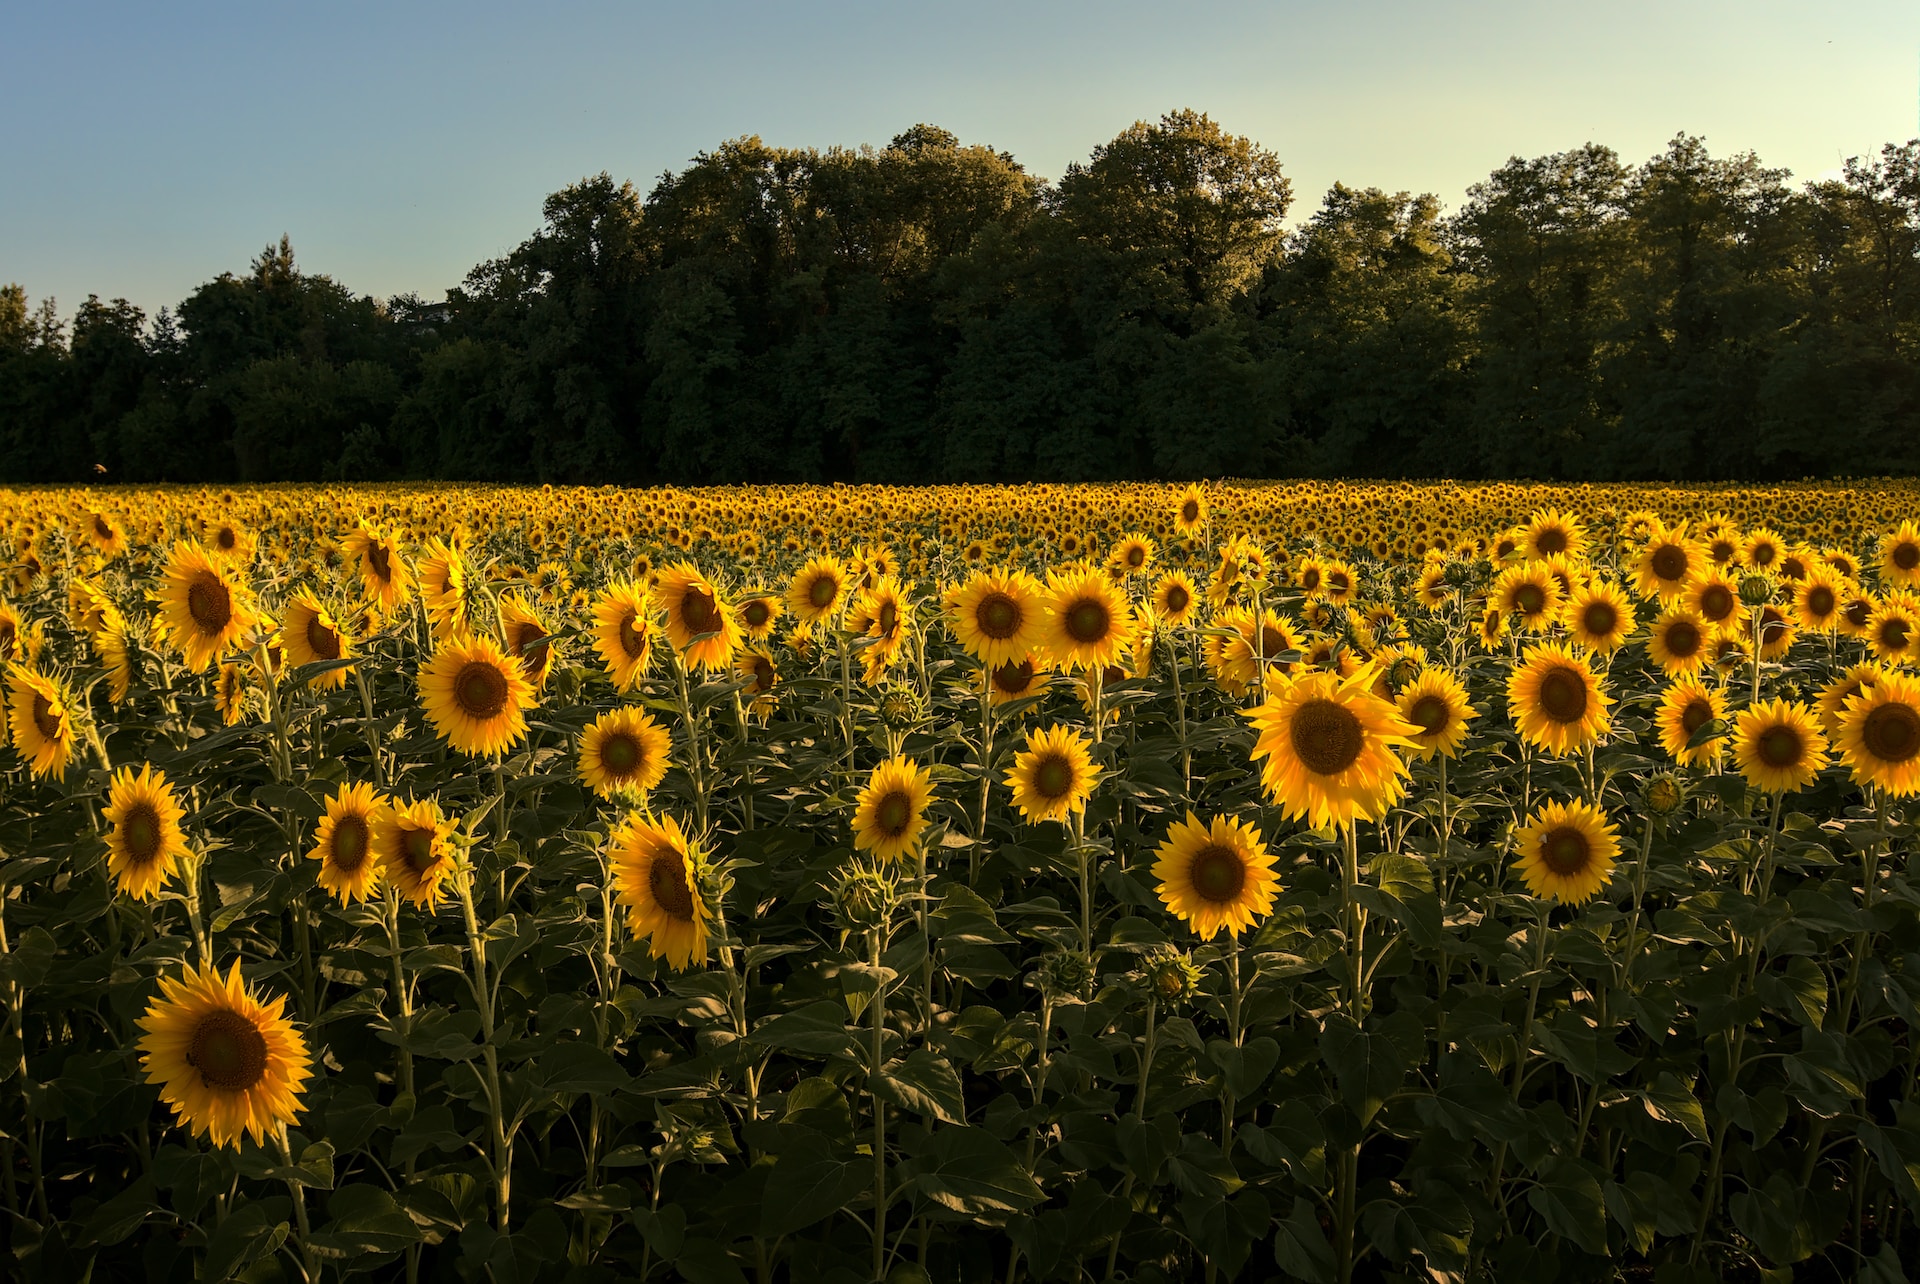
(757, 665)
(1777, 633)
(1133, 555)
(1880, 734)
(656, 875)
(1893, 630)
(758, 614)
(343, 843)
(700, 623)
(999, 617)
(1685, 707)
(1054, 775)
(528, 638)
(1900, 557)
(1678, 641)
(1173, 598)
(37, 716)
(1817, 599)
(1530, 591)
(1190, 510)
(230, 693)
(1017, 680)
(1215, 876)
(476, 696)
(1491, 629)
(311, 636)
(1556, 700)
(1551, 532)
(383, 570)
(1778, 746)
(623, 753)
(1435, 705)
(1762, 549)
(1567, 851)
(144, 843)
(1667, 562)
(622, 636)
(203, 609)
(416, 858)
(818, 589)
(1598, 617)
(892, 809)
(1834, 696)
(443, 587)
(1715, 597)
(1328, 742)
(228, 1063)
(1088, 625)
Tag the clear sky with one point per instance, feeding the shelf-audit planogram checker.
(147, 147)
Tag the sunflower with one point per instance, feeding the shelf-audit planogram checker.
(383, 571)
(623, 752)
(999, 617)
(1900, 557)
(1131, 556)
(343, 842)
(416, 859)
(891, 810)
(1567, 851)
(1435, 704)
(105, 533)
(1685, 707)
(1880, 734)
(1678, 641)
(1087, 621)
(529, 639)
(203, 610)
(114, 643)
(1893, 630)
(1054, 775)
(1531, 591)
(1598, 617)
(475, 696)
(1328, 742)
(818, 589)
(1778, 747)
(1857, 607)
(757, 615)
(762, 673)
(1190, 510)
(1432, 589)
(1491, 629)
(1834, 696)
(884, 614)
(622, 637)
(1715, 597)
(1017, 680)
(1215, 876)
(1817, 599)
(443, 587)
(312, 636)
(1776, 632)
(1550, 532)
(1667, 562)
(38, 718)
(144, 845)
(226, 1062)
(1557, 700)
(1173, 598)
(1762, 549)
(230, 693)
(12, 629)
(700, 623)
(656, 874)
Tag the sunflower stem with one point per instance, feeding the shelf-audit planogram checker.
(367, 725)
(501, 1160)
(696, 753)
(879, 1012)
(986, 772)
(309, 1267)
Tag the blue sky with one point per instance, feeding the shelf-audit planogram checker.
(149, 147)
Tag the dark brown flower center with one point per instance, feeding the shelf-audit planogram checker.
(697, 608)
(1550, 541)
(416, 849)
(1310, 579)
(620, 754)
(893, 813)
(226, 539)
(1326, 736)
(756, 613)
(1177, 598)
(1430, 714)
(667, 880)
(228, 1050)
(209, 603)
(520, 637)
(1780, 746)
(1716, 602)
(1136, 556)
(1053, 776)
(1821, 601)
(762, 670)
(381, 561)
(998, 616)
(889, 619)
(1696, 715)
(1013, 679)
(820, 593)
(481, 690)
(1858, 612)
(351, 843)
(1530, 599)
(1599, 618)
(1891, 733)
(1087, 621)
(50, 724)
(1190, 511)
(140, 833)
(1669, 562)
(632, 642)
(1893, 633)
(1218, 873)
(1563, 695)
(1906, 555)
(322, 640)
(1682, 639)
(1565, 850)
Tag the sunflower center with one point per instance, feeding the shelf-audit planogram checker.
(1820, 601)
(697, 609)
(893, 813)
(7, 637)
(226, 539)
(667, 880)
(1682, 639)
(381, 562)
(631, 643)
(1087, 621)
(1565, 851)
(1892, 733)
(1327, 737)
(620, 754)
(1668, 562)
(1053, 777)
(1310, 578)
(101, 528)
(1599, 618)
(756, 613)
(228, 1050)
(480, 690)
(1429, 713)
(1177, 599)
(321, 640)
(1014, 678)
(45, 720)
(889, 619)
(1893, 634)
(1341, 583)
(998, 616)
(1857, 612)
(1563, 695)
(1190, 512)
(1695, 716)
(1530, 598)
(1136, 557)
(416, 849)
(140, 830)
(351, 843)
(1550, 541)
(820, 592)
(1716, 602)
(210, 603)
(1272, 641)
(1780, 746)
(524, 635)
(1906, 555)
(1218, 873)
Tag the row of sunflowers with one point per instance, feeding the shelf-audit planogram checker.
(1345, 881)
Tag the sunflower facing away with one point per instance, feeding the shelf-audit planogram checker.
(1215, 876)
(1556, 700)
(1880, 734)
(1435, 704)
(38, 718)
(1054, 775)
(891, 811)
(202, 607)
(144, 843)
(1329, 747)
(621, 635)
(1567, 852)
(1088, 625)
(475, 696)
(1685, 707)
(228, 1063)
(1778, 746)
(415, 856)
(311, 635)
(656, 875)
(998, 616)
(623, 753)
(343, 843)
(700, 623)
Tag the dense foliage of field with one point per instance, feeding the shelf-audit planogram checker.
(1056, 883)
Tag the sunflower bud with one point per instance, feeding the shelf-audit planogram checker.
(1756, 590)
(1665, 794)
(1171, 975)
(900, 708)
(864, 899)
(1065, 974)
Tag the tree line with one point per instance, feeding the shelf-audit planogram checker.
(930, 311)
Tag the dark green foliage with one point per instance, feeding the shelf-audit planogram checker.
(929, 311)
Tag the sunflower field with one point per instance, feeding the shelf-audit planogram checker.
(1317, 881)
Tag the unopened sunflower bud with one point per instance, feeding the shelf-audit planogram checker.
(1665, 794)
(1064, 973)
(900, 708)
(1171, 975)
(864, 899)
(1756, 590)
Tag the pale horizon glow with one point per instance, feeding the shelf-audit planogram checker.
(152, 147)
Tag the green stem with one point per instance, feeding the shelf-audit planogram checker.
(501, 1153)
